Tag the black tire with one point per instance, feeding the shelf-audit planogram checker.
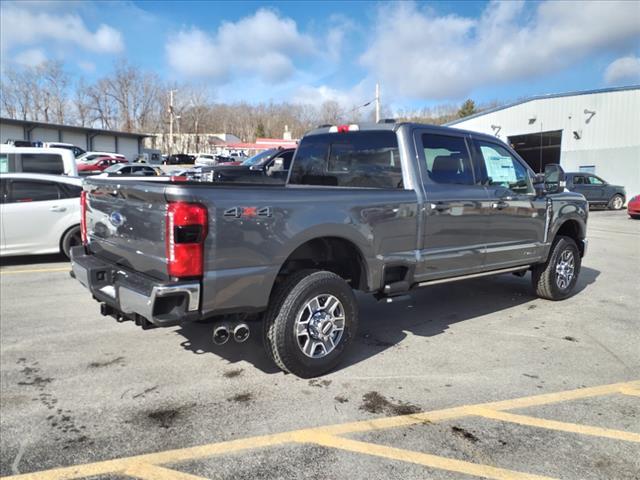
(635, 217)
(544, 276)
(287, 302)
(616, 202)
(71, 238)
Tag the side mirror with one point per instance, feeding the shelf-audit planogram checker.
(554, 178)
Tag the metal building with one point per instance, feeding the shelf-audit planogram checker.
(595, 131)
(90, 139)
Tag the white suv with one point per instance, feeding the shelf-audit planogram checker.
(39, 213)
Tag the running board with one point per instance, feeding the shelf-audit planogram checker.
(473, 275)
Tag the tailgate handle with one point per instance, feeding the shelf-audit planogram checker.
(265, 212)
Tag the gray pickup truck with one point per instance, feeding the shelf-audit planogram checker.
(381, 208)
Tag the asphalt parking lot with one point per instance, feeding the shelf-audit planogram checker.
(470, 379)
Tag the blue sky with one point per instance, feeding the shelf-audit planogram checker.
(422, 53)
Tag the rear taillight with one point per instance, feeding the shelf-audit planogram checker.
(83, 217)
(186, 225)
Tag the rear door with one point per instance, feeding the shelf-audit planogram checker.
(517, 217)
(33, 216)
(455, 216)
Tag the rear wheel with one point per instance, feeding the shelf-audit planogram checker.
(616, 202)
(71, 238)
(312, 319)
(557, 277)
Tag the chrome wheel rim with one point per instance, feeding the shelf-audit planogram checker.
(319, 326)
(617, 203)
(565, 269)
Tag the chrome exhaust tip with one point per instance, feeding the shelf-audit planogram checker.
(221, 335)
(241, 332)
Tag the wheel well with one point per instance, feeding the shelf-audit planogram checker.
(334, 254)
(571, 229)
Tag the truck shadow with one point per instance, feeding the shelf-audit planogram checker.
(33, 259)
(430, 312)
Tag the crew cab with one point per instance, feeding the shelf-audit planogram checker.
(380, 208)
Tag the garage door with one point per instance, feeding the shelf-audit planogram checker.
(75, 138)
(104, 143)
(128, 147)
(44, 135)
(11, 132)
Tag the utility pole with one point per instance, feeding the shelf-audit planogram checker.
(171, 121)
(377, 102)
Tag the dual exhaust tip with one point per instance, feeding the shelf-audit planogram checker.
(222, 333)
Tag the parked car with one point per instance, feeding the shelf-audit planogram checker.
(39, 213)
(54, 161)
(273, 163)
(596, 190)
(77, 151)
(98, 165)
(633, 207)
(129, 169)
(380, 208)
(91, 156)
(205, 160)
(180, 159)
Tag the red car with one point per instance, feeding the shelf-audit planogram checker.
(633, 207)
(99, 164)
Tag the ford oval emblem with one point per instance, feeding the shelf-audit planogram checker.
(116, 219)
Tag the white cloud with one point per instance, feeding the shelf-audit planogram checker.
(87, 67)
(264, 44)
(25, 26)
(624, 70)
(30, 58)
(417, 53)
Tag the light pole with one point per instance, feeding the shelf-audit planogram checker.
(171, 121)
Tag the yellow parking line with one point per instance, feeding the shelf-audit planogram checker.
(630, 391)
(35, 270)
(194, 453)
(556, 425)
(146, 471)
(425, 459)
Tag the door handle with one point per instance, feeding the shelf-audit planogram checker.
(499, 205)
(57, 208)
(440, 206)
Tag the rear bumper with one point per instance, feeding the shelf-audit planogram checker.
(130, 293)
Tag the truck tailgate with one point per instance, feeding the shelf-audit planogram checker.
(126, 224)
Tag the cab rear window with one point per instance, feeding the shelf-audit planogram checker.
(353, 159)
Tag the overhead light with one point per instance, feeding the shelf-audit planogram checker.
(496, 129)
(533, 120)
(591, 113)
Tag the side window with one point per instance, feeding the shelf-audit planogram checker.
(4, 163)
(70, 191)
(578, 180)
(595, 181)
(3, 191)
(33, 191)
(42, 163)
(447, 159)
(286, 158)
(503, 169)
(367, 159)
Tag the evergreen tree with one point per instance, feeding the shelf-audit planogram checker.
(467, 108)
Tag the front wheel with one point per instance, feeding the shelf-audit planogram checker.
(312, 319)
(616, 202)
(557, 277)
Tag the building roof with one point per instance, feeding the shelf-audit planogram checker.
(276, 142)
(73, 128)
(543, 97)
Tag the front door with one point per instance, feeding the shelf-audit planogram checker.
(454, 216)
(516, 231)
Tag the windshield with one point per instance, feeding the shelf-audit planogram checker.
(257, 159)
(113, 168)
